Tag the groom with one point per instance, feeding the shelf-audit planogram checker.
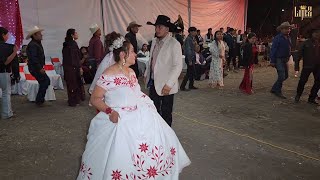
(163, 71)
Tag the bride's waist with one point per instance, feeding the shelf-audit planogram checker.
(128, 108)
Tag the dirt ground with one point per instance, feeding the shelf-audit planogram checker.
(226, 134)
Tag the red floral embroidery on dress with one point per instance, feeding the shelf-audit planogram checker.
(120, 80)
(162, 164)
(85, 171)
(130, 108)
(117, 81)
(132, 81)
(173, 151)
(149, 102)
(152, 172)
(116, 175)
(144, 147)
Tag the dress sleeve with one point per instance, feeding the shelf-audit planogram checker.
(103, 82)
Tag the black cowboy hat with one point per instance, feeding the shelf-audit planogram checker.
(164, 20)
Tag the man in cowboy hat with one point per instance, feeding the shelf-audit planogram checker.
(163, 71)
(280, 53)
(95, 49)
(133, 29)
(310, 53)
(36, 61)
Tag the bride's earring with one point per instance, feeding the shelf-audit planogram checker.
(124, 62)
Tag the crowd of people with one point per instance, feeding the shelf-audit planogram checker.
(131, 135)
(220, 49)
(210, 57)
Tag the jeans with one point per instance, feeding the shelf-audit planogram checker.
(305, 73)
(5, 86)
(164, 104)
(44, 83)
(282, 70)
(189, 76)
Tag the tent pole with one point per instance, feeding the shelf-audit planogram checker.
(246, 15)
(102, 17)
(189, 12)
(38, 13)
(103, 25)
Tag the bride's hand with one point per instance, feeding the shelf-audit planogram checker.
(114, 117)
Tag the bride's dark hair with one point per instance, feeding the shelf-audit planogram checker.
(116, 52)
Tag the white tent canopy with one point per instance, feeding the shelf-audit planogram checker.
(114, 15)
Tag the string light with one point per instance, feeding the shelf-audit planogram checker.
(10, 18)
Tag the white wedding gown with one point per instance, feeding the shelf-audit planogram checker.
(140, 146)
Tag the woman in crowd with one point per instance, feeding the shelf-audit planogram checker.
(200, 63)
(144, 52)
(250, 56)
(88, 73)
(244, 40)
(217, 50)
(72, 69)
(128, 139)
(8, 53)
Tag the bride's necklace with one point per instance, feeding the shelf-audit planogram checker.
(121, 69)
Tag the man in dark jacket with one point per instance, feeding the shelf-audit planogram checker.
(310, 53)
(190, 58)
(199, 39)
(96, 51)
(179, 36)
(133, 29)
(36, 61)
(231, 42)
(280, 53)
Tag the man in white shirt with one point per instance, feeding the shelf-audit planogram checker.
(161, 75)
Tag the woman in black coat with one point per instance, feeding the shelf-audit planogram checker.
(72, 68)
(250, 56)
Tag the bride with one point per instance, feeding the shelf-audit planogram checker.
(128, 139)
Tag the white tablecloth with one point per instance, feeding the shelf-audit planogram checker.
(55, 79)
